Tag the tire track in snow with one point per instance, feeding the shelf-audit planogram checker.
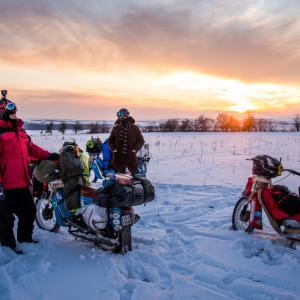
(198, 230)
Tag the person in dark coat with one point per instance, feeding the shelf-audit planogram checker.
(125, 141)
(15, 196)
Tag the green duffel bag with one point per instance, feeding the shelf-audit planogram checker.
(44, 168)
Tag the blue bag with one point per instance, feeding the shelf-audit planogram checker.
(106, 153)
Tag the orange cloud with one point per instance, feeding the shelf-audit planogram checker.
(111, 54)
(234, 41)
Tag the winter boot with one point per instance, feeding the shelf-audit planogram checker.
(30, 241)
(15, 249)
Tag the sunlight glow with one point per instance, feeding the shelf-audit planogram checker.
(174, 93)
(240, 108)
(239, 96)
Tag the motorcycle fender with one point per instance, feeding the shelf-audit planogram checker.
(255, 213)
(59, 208)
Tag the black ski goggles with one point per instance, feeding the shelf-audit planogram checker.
(122, 113)
(10, 107)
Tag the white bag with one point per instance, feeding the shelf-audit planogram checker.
(95, 217)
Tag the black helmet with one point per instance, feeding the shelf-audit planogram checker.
(6, 106)
(123, 112)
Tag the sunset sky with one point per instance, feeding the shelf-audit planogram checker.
(160, 59)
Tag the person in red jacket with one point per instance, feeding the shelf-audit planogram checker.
(15, 196)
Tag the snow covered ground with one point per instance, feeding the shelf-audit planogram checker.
(183, 246)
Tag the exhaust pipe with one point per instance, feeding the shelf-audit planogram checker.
(96, 239)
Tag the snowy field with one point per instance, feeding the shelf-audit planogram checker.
(183, 246)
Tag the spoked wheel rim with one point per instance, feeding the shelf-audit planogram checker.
(45, 215)
(237, 222)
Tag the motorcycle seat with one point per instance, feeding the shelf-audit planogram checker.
(89, 191)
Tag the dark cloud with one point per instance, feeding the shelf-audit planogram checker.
(238, 40)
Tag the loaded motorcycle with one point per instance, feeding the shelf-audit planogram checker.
(101, 215)
(281, 206)
(114, 234)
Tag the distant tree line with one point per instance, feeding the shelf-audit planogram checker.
(224, 122)
(93, 127)
(98, 127)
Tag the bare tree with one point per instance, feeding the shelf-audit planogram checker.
(297, 122)
(170, 125)
(49, 127)
(249, 122)
(186, 125)
(62, 127)
(233, 124)
(151, 128)
(77, 126)
(203, 123)
(94, 127)
(221, 122)
(270, 126)
(103, 127)
(261, 124)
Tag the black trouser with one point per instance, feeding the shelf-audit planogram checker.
(37, 188)
(19, 202)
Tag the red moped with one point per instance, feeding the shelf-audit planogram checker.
(281, 206)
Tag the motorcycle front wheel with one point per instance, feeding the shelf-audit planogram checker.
(45, 216)
(237, 222)
(92, 175)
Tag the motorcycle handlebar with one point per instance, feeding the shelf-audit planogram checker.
(291, 171)
(253, 159)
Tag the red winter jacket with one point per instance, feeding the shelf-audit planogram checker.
(15, 149)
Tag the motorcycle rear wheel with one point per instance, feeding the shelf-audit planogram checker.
(109, 233)
(45, 216)
(237, 222)
(92, 176)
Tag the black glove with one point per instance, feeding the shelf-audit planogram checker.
(53, 156)
(2, 192)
